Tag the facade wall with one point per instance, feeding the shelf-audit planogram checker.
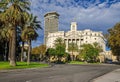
(79, 37)
(50, 23)
(52, 37)
(107, 55)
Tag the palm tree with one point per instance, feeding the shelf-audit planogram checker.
(13, 15)
(72, 47)
(26, 18)
(97, 46)
(6, 35)
(59, 41)
(60, 48)
(29, 33)
(90, 51)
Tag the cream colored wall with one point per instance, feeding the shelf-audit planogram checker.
(87, 35)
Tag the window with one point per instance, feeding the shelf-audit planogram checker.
(48, 19)
(95, 34)
(98, 34)
(73, 27)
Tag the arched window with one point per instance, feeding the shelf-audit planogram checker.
(95, 34)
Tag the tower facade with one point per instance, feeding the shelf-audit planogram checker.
(50, 24)
(73, 26)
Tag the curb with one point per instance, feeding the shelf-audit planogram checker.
(11, 70)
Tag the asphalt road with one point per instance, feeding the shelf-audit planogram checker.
(57, 73)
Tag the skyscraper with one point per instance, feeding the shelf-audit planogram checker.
(50, 23)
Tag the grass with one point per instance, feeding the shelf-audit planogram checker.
(79, 62)
(21, 65)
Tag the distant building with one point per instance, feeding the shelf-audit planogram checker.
(107, 55)
(50, 23)
(79, 37)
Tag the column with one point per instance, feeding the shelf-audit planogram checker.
(79, 43)
(66, 45)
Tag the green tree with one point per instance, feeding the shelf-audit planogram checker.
(50, 52)
(35, 51)
(97, 46)
(6, 35)
(72, 47)
(40, 50)
(13, 15)
(89, 52)
(25, 24)
(114, 40)
(29, 36)
(59, 41)
(29, 33)
(60, 48)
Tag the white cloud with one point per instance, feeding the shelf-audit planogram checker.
(103, 17)
(61, 1)
(102, 5)
(94, 17)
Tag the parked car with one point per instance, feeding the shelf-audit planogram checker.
(109, 61)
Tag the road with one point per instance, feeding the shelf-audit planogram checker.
(57, 73)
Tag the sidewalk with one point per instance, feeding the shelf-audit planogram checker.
(113, 76)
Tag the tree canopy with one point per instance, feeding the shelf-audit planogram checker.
(72, 47)
(89, 52)
(12, 17)
(16, 20)
(114, 39)
(60, 47)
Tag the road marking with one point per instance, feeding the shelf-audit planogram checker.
(29, 81)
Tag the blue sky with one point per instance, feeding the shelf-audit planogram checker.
(97, 15)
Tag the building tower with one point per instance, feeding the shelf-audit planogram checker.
(50, 23)
(73, 26)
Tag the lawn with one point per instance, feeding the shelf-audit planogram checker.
(78, 62)
(21, 65)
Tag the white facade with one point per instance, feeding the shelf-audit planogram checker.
(79, 37)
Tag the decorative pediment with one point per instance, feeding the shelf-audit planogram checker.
(73, 35)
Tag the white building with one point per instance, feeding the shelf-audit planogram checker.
(79, 37)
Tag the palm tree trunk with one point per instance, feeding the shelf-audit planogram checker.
(9, 53)
(72, 55)
(13, 48)
(22, 51)
(29, 52)
(5, 50)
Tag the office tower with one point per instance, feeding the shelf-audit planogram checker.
(50, 24)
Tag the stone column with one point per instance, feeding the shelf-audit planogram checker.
(66, 45)
(79, 43)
